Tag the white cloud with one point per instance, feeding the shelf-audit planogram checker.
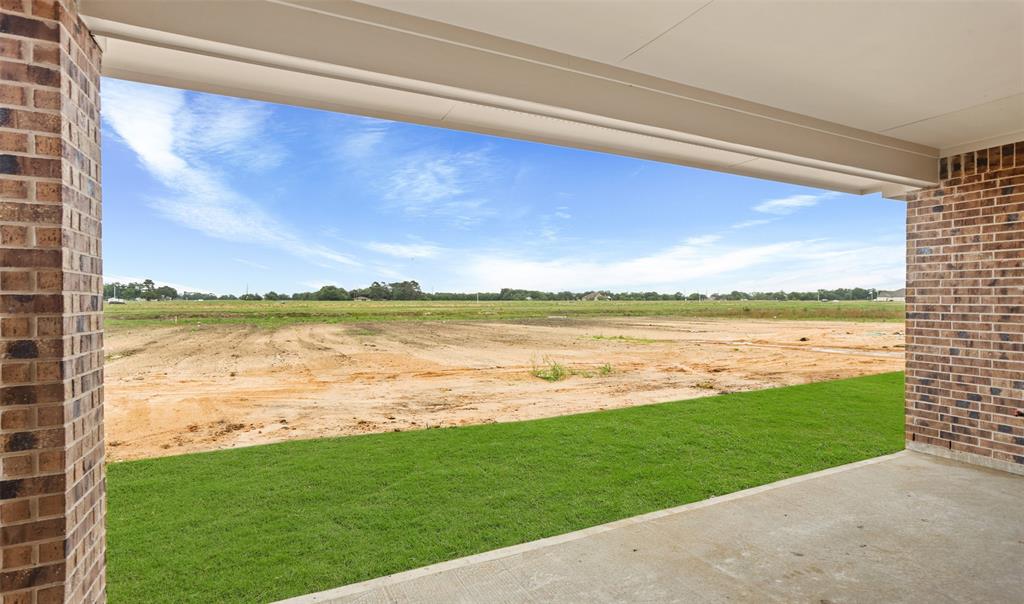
(363, 142)
(232, 129)
(405, 250)
(703, 240)
(788, 205)
(672, 268)
(746, 224)
(172, 136)
(700, 263)
(424, 180)
(824, 264)
(440, 183)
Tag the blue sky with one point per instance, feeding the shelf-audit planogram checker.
(218, 194)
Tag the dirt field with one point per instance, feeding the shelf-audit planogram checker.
(178, 390)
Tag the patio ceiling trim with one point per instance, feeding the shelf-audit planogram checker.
(354, 58)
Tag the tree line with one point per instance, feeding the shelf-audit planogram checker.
(410, 290)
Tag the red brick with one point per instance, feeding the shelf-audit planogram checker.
(46, 54)
(50, 215)
(17, 556)
(17, 419)
(964, 309)
(16, 465)
(13, 189)
(12, 94)
(29, 120)
(46, 9)
(10, 48)
(18, 25)
(16, 511)
(22, 579)
(15, 327)
(14, 235)
(50, 505)
(16, 373)
(16, 142)
(47, 145)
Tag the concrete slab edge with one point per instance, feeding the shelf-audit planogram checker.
(965, 457)
(364, 586)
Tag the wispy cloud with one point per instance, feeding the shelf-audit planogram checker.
(788, 205)
(173, 137)
(830, 264)
(552, 224)
(420, 180)
(440, 183)
(405, 250)
(364, 140)
(674, 267)
(698, 263)
(702, 240)
(746, 224)
(229, 129)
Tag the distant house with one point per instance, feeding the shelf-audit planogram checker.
(896, 295)
(591, 296)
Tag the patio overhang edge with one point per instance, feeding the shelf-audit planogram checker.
(483, 84)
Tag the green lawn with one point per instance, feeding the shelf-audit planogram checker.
(267, 522)
(276, 314)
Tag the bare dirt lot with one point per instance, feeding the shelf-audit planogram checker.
(185, 389)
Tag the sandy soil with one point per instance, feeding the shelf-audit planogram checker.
(178, 390)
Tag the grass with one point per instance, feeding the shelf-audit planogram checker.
(276, 314)
(553, 371)
(268, 522)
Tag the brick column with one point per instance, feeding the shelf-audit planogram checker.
(51, 341)
(965, 310)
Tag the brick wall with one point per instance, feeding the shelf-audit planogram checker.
(51, 415)
(965, 310)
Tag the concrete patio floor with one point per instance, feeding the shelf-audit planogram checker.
(906, 527)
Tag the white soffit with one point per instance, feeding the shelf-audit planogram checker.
(355, 58)
(942, 73)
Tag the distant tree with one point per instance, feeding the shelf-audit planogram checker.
(271, 295)
(405, 290)
(165, 292)
(253, 297)
(378, 291)
(332, 293)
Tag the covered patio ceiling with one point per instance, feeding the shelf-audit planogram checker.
(827, 94)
